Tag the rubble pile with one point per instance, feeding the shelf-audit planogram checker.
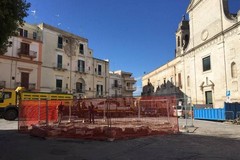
(78, 130)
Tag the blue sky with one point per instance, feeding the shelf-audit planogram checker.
(135, 35)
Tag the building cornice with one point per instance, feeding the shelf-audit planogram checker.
(223, 33)
(20, 60)
(101, 60)
(65, 33)
(192, 5)
(169, 64)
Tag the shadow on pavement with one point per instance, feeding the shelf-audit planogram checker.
(170, 147)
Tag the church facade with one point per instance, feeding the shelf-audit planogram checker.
(206, 66)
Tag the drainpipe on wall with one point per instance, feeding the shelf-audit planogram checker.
(11, 64)
(195, 75)
(224, 49)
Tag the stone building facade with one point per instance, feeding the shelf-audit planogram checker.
(68, 65)
(121, 84)
(21, 65)
(47, 59)
(207, 63)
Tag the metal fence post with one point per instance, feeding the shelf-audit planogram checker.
(39, 110)
(70, 112)
(139, 113)
(191, 111)
(168, 107)
(47, 122)
(104, 111)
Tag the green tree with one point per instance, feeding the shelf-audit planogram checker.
(12, 13)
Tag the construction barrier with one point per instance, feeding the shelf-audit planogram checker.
(100, 119)
(229, 112)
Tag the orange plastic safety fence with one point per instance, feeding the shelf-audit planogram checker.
(100, 118)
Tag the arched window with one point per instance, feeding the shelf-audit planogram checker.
(80, 86)
(188, 81)
(234, 70)
(186, 40)
(178, 41)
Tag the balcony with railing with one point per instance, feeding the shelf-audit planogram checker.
(35, 36)
(59, 66)
(80, 70)
(81, 90)
(99, 94)
(100, 74)
(130, 88)
(60, 90)
(130, 79)
(30, 87)
(116, 86)
(60, 46)
(27, 53)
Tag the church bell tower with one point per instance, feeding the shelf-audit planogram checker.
(182, 36)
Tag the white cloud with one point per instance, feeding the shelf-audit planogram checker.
(33, 12)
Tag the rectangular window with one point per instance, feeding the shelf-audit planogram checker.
(58, 85)
(60, 42)
(20, 30)
(81, 66)
(59, 61)
(115, 83)
(25, 47)
(34, 35)
(5, 95)
(206, 63)
(25, 33)
(99, 90)
(188, 81)
(81, 48)
(179, 80)
(99, 69)
(208, 96)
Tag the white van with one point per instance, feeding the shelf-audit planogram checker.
(178, 111)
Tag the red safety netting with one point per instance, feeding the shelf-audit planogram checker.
(114, 118)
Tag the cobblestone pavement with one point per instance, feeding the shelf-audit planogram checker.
(205, 141)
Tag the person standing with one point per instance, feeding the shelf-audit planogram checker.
(91, 113)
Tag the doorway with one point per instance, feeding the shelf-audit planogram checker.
(25, 80)
(208, 97)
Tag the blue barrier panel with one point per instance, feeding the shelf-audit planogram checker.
(233, 107)
(209, 114)
(230, 112)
